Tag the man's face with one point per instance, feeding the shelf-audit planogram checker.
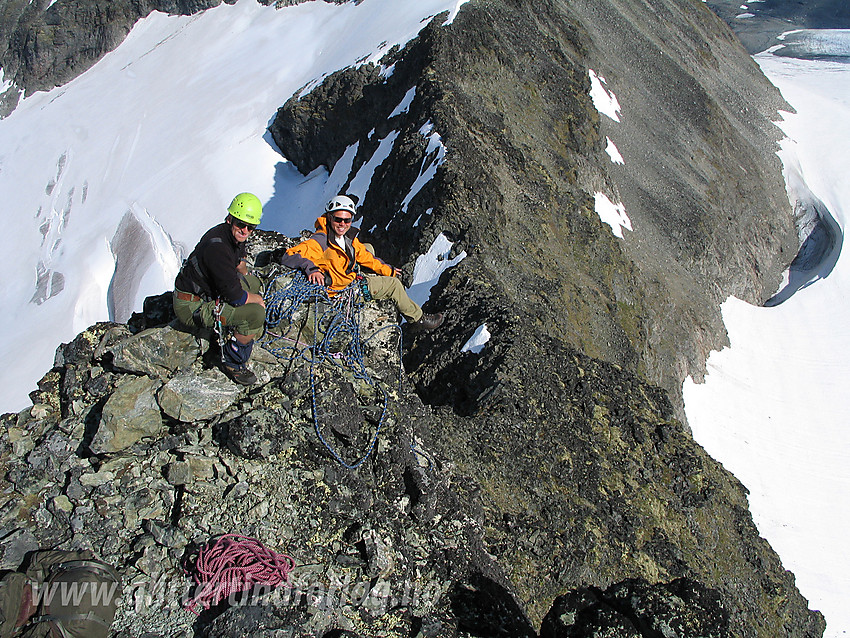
(240, 230)
(340, 221)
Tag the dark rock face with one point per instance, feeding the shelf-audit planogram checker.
(636, 608)
(572, 468)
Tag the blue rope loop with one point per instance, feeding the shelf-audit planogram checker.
(422, 454)
(336, 338)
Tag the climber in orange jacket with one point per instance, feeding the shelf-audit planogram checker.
(331, 257)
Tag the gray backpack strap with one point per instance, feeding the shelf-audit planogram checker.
(92, 565)
(58, 620)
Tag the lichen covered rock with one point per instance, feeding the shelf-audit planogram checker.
(130, 414)
(193, 395)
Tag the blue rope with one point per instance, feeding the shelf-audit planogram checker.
(421, 453)
(339, 319)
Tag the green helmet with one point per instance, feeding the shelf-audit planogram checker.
(247, 208)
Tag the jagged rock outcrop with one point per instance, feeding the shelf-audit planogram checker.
(130, 414)
(635, 608)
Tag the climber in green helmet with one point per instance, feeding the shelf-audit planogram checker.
(214, 287)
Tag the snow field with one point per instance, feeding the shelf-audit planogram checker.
(774, 405)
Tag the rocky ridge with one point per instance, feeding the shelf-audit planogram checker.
(510, 101)
(585, 509)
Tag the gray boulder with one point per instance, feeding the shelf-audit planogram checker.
(197, 396)
(258, 434)
(15, 546)
(157, 352)
(129, 415)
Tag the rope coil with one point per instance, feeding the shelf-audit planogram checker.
(337, 323)
(235, 564)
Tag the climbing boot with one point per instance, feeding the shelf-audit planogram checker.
(240, 374)
(428, 322)
(234, 356)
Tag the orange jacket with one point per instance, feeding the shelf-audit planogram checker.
(321, 253)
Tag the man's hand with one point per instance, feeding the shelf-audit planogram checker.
(396, 272)
(255, 298)
(242, 268)
(316, 277)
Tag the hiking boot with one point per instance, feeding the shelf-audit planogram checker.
(428, 322)
(241, 375)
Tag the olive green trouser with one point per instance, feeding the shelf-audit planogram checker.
(247, 319)
(381, 287)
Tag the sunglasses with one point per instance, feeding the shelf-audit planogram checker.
(242, 225)
(342, 220)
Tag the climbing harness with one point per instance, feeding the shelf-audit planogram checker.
(234, 564)
(336, 338)
(218, 325)
(364, 288)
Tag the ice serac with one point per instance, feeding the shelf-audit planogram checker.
(821, 239)
(140, 248)
(508, 90)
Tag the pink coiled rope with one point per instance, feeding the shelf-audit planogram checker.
(234, 564)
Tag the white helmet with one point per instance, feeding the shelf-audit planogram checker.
(341, 202)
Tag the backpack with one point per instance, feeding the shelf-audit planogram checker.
(12, 594)
(74, 594)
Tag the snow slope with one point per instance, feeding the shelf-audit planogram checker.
(774, 408)
(108, 181)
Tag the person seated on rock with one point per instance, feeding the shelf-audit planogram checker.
(214, 282)
(331, 255)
